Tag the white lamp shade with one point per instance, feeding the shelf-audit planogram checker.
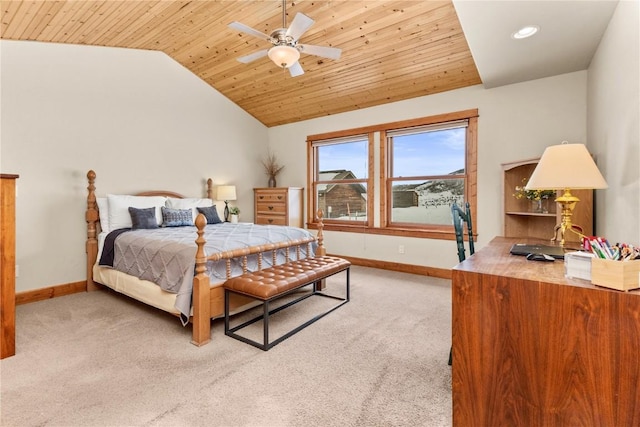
(226, 192)
(566, 166)
(284, 56)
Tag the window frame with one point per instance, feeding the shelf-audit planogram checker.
(379, 187)
(367, 181)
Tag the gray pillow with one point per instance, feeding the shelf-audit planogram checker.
(176, 217)
(143, 218)
(211, 213)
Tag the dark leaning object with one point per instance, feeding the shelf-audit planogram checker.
(275, 282)
(460, 218)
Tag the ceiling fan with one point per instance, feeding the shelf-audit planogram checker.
(286, 50)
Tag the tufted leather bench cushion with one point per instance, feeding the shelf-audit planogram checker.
(274, 281)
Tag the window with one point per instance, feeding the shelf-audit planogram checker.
(341, 184)
(396, 178)
(426, 173)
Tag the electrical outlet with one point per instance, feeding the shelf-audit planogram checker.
(17, 270)
(401, 249)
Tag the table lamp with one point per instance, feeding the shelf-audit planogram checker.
(226, 193)
(566, 167)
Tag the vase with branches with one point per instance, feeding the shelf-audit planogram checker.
(272, 168)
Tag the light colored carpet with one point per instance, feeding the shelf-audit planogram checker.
(101, 359)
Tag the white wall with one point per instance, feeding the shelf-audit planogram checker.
(516, 122)
(614, 124)
(138, 118)
(142, 121)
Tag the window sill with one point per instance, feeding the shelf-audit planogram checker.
(446, 233)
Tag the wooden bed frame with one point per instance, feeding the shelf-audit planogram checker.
(208, 299)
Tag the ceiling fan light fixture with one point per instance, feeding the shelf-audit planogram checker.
(284, 56)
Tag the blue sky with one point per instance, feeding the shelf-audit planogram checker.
(429, 153)
(351, 156)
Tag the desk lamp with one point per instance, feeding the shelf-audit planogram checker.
(226, 193)
(565, 167)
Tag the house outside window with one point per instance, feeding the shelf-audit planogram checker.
(341, 180)
(396, 178)
(342, 201)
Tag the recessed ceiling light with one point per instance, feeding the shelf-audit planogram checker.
(525, 32)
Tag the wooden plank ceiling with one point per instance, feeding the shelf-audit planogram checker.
(391, 50)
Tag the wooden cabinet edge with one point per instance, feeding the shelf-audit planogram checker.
(8, 272)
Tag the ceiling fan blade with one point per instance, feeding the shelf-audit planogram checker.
(300, 24)
(253, 56)
(296, 70)
(248, 30)
(325, 52)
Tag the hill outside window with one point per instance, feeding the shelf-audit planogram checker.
(422, 166)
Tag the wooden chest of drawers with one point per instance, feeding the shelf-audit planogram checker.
(278, 206)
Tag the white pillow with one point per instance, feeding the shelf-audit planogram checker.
(119, 216)
(103, 208)
(192, 204)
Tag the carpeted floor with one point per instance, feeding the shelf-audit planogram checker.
(101, 359)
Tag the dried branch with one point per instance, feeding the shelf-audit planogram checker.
(271, 166)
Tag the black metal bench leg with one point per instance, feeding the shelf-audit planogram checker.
(265, 324)
(226, 311)
(348, 296)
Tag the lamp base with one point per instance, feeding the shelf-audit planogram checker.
(568, 202)
(560, 231)
(226, 211)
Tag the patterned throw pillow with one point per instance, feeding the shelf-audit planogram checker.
(143, 218)
(211, 213)
(176, 217)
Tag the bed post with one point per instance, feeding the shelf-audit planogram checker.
(201, 290)
(321, 251)
(210, 189)
(91, 217)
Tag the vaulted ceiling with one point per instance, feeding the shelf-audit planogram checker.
(391, 50)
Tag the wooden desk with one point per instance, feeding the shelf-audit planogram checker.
(532, 348)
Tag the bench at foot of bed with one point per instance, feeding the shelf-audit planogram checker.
(273, 283)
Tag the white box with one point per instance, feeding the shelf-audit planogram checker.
(577, 265)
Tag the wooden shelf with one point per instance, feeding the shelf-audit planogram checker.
(519, 221)
(531, 214)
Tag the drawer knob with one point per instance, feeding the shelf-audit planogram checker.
(270, 221)
(279, 197)
(270, 208)
(261, 197)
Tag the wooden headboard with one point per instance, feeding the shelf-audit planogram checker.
(171, 193)
(92, 216)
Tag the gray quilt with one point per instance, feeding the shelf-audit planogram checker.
(166, 256)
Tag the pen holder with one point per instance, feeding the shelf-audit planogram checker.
(620, 275)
